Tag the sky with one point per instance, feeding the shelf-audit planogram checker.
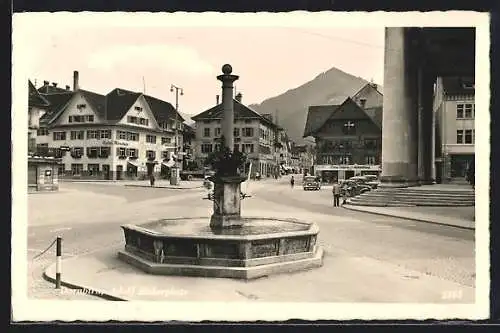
(150, 57)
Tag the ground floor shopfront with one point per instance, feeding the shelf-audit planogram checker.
(330, 173)
(453, 167)
(122, 169)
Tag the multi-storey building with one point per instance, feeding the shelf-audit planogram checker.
(254, 134)
(454, 131)
(121, 135)
(347, 136)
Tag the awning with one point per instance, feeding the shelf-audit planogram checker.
(170, 163)
(133, 163)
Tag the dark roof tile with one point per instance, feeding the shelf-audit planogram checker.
(317, 116)
(35, 98)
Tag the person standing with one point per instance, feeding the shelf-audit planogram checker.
(336, 194)
(152, 180)
(292, 182)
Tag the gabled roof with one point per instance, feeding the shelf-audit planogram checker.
(35, 98)
(118, 102)
(319, 115)
(241, 111)
(458, 86)
(316, 117)
(372, 85)
(162, 110)
(376, 114)
(57, 102)
(48, 89)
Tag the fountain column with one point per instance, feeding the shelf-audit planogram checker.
(227, 200)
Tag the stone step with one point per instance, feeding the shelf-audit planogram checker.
(434, 195)
(408, 190)
(418, 202)
(403, 204)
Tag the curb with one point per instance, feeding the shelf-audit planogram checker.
(349, 207)
(167, 187)
(74, 286)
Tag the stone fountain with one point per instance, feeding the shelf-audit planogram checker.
(226, 245)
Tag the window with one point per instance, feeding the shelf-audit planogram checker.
(262, 149)
(76, 169)
(121, 152)
(122, 135)
(247, 131)
(104, 152)
(468, 111)
(206, 148)
(460, 136)
(70, 119)
(92, 152)
(248, 121)
(131, 136)
(132, 120)
(217, 147)
(460, 110)
(150, 154)
(236, 131)
(92, 134)
(59, 136)
(370, 143)
(151, 138)
(247, 148)
(93, 169)
(344, 160)
(81, 106)
(77, 135)
(61, 169)
(42, 131)
(105, 134)
(349, 128)
(236, 147)
(143, 121)
(166, 140)
(166, 154)
(217, 131)
(132, 152)
(77, 152)
(370, 160)
(468, 136)
(206, 132)
(89, 118)
(138, 108)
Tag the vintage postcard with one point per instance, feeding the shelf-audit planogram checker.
(265, 166)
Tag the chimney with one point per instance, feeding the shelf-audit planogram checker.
(46, 83)
(238, 97)
(54, 84)
(217, 99)
(67, 87)
(75, 81)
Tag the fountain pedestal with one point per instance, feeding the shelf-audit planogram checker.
(227, 202)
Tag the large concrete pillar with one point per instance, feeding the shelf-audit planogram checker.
(400, 117)
(425, 125)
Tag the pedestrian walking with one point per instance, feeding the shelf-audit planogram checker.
(292, 182)
(152, 180)
(336, 194)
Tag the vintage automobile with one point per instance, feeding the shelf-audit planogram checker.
(352, 188)
(365, 181)
(311, 183)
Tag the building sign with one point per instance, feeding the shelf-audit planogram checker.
(347, 167)
(114, 142)
(64, 148)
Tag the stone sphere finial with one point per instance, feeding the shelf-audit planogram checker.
(227, 69)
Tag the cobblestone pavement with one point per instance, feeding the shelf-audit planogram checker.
(440, 251)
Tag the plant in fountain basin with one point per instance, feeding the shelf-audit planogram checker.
(226, 163)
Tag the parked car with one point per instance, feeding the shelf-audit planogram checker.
(352, 187)
(311, 183)
(365, 181)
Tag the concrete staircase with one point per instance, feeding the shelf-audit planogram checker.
(418, 196)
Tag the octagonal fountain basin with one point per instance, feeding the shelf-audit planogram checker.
(189, 247)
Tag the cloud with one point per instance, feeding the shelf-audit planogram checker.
(171, 58)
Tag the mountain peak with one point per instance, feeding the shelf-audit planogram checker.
(293, 104)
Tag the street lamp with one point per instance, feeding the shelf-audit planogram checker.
(175, 180)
